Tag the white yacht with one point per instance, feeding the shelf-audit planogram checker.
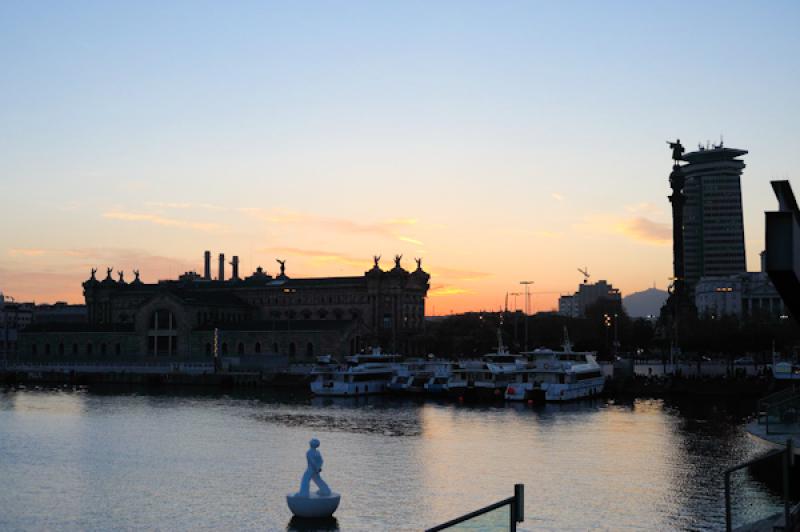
(413, 376)
(363, 374)
(557, 376)
(437, 384)
(487, 378)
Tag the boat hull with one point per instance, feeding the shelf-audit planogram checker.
(555, 392)
(348, 389)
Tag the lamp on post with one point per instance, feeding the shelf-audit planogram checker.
(527, 308)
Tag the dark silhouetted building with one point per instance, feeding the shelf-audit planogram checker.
(713, 227)
(258, 314)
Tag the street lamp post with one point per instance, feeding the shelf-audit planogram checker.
(516, 317)
(527, 309)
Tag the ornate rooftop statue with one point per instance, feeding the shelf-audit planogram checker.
(108, 273)
(320, 504)
(377, 259)
(136, 275)
(121, 275)
(677, 150)
(283, 266)
(94, 271)
(419, 262)
(397, 259)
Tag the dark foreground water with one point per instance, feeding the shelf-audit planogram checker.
(78, 460)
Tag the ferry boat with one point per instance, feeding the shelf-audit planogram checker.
(557, 376)
(413, 376)
(362, 374)
(437, 384)
(487, 378)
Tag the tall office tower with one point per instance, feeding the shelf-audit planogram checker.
(713, 230)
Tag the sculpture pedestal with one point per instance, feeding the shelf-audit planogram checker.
(313, 506)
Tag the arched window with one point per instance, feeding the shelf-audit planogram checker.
(89, 349)
(103, 348)
(74, 349)
(61, 349)
(46, 349)
(224, 348)
(162, 337)
(309, 350)
(240, 348)
(117, 349)
(208, 348)
(292, 350)
(35, 349)
(275, 347)
(257, 347)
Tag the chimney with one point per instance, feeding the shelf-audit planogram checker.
(235, 265)
(221, 267)
(207, 265)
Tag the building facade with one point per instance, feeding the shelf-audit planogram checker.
(745, 295)
(574, 306)
(713, 227)
(199, 317)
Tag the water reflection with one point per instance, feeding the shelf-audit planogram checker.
(81, 460)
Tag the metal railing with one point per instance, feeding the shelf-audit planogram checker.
(516, 511)
(765, 403)
(787, 462)
(781, 416)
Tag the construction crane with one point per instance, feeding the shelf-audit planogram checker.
(585, 272)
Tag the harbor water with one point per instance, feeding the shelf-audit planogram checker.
(77, 459)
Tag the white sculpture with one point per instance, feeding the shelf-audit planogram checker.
(320, 504)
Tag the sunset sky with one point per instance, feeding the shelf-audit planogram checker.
(500, 141)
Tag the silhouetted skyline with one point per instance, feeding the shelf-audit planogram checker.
(499, 142)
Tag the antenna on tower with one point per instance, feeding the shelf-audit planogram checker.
(585, 272)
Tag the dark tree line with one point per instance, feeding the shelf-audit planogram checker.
(608, 330)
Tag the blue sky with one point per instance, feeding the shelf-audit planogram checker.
(500, 140)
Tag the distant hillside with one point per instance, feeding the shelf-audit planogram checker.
(645, 303)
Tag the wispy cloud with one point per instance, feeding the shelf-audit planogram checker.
(557, 196)
(410, 240)
(548, 234)
(387, 228)
(443, 290)
(61, 276)
(157, 219)
(458, 275)
(321, 257)
(645, 208)
(26, 252)
(185, 206)
(646, 230)
(639, 228)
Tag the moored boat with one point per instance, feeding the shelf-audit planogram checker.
(557, 376)
(362, 374)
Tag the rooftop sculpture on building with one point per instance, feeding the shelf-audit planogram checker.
(677, 150)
